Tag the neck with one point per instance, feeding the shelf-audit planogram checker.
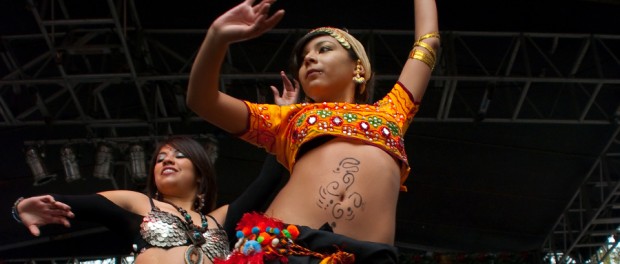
(345, 98)
(183, 202)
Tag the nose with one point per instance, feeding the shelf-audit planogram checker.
(309, 58)
(168, 159)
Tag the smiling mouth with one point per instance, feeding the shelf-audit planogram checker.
(168, 171)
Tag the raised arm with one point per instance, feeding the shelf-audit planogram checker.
(418, 68)
(244, 21)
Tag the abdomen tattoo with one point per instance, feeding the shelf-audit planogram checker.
(333, 195)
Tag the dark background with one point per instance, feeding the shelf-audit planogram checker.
(475, 186)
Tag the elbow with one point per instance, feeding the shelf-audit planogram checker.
(435, 43)
(192, 99)
(200, 102)
(190, 102)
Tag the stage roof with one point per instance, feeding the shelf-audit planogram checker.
(515, 147)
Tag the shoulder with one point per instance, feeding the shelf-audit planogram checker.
(399, 98)
(400, 92)
(263, 110)
(132, 201)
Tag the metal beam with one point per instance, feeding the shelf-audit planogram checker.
(587, 226)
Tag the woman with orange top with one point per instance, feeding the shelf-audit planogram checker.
(346, 158)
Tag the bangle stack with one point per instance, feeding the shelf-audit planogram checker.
(429, 57)
(14, 211)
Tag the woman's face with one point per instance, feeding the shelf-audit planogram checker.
(327, 71)
(174, 172)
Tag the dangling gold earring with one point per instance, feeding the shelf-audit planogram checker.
(358, 70)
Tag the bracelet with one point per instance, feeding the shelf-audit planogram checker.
(429, 35)
(14, 211)
(427, 57)
(426, 47)
(417, 54)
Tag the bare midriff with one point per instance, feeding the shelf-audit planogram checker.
(351, 186)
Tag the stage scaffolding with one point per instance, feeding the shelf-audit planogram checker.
(107, 76)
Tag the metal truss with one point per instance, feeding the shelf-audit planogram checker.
(105, 74)
(592, 216)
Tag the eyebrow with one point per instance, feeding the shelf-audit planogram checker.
(305, 51)
(166, 152)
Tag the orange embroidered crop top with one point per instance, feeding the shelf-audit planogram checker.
(282, 130)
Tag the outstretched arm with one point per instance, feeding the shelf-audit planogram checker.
(417, 73)
(244, 21)
(118, 210)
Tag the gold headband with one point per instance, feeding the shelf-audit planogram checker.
(334, 33)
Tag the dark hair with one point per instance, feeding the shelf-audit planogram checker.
(297, 60)
(203, 167)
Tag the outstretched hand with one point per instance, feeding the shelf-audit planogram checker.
(246, 21)
(290, 93)
(43, 210)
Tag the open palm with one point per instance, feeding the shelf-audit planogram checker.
(246, 21)
(43, 210)
(290, 92)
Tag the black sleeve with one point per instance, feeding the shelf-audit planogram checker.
(95, 208)
(257, 196)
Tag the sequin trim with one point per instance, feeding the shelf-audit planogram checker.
(282, 130)
(165, 230)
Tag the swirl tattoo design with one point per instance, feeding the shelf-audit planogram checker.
(333, 195)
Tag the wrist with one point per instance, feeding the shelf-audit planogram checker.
(14, 210)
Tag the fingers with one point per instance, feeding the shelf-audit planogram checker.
(59, 220)
(263, 19)
(274, 19)
(49, 203)
(46, 207)
(288, 86)
(61, 213)
(47, 199)
(275, 91)
(34, 230)
(62, 206)
(262, 4)
(65, 222)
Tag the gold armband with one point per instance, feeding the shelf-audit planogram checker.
(417, 54)
(426, 47)
(429, 35)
